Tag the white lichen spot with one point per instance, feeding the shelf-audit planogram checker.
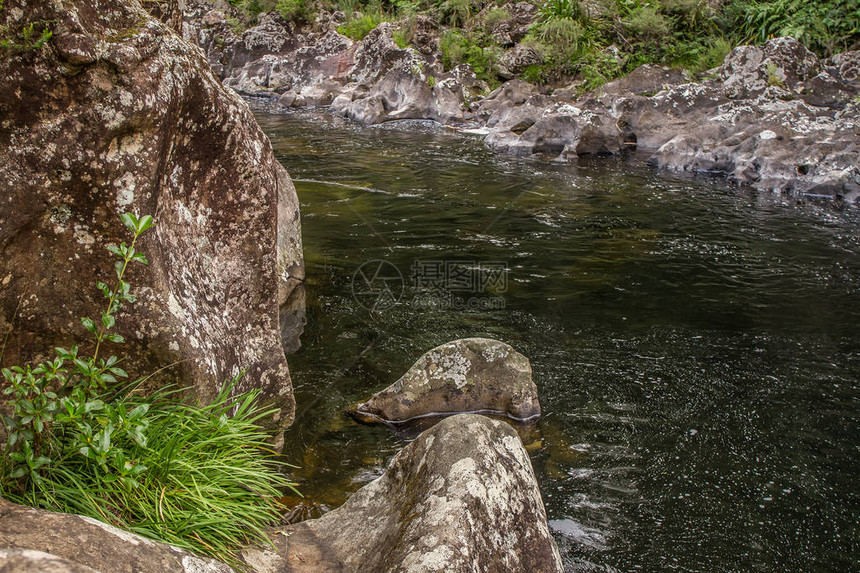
(767, 134)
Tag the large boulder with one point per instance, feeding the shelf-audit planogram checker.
(117, 113)
(462, 497)
(38, 540)
(467, 375)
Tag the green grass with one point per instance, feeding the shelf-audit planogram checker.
(208, 481)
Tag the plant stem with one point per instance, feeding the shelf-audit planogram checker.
(114, 292)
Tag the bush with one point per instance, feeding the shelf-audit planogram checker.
(194, 476)
(496, 16)
(456, 49)
(357, 28)
(646, 22)
(825, 26)
(294, 10)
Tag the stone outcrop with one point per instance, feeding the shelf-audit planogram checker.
(38, 540)
(774, 117)
(117, 113)
(467, 375)
(462, 497)
(371, 81)
(709, 126)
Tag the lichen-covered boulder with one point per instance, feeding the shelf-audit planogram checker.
(467, 375)
(117, 113)
(748, 70)
(460, 498)
(38, 540)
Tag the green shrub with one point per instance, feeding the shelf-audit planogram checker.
(456, 12)
(496, 16)
(294, 10)
(194, 476)
(561, 10)
(357, 28)
(826, 26)
(648, 23)
(457, 48)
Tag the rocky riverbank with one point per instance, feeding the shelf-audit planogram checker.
(776, 116)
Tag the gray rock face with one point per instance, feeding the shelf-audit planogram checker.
(779, 87)
(37, 540)
(467, 375)
(775, 118)
(461, 498)
(372, 81)
(119, 114)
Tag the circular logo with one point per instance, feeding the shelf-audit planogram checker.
(377, 285)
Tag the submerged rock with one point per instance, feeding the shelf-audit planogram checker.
(467, 375)
(38, 540)
(117, 113)
(462, 497)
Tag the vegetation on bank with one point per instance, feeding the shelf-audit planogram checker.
(593, 40)
(200, 477)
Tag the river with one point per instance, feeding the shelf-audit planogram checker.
(695, 345)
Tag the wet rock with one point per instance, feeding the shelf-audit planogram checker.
(467, 375)
(126, 116)
(462, 497)
(786, 146)
(38, 540)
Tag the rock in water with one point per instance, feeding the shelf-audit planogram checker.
(461, 497)
(117, 113)
(76, 544)
(467, 375)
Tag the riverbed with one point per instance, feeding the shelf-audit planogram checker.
(695, 344)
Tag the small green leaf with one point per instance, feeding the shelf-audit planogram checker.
(89, 324)
(119, 266)
(93, 405)
(140, 258)
(108, 320)
(18, 472)
(130, 221)
(115, 338)
(145, 223)
(114, 250)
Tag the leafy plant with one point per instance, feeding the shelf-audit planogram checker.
(194, 476)
(496, 16)
(294, 10)
(648, 23)
(357, 28)
(775, 76)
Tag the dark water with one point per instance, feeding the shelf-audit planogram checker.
(696, 346)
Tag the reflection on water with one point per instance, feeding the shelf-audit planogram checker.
(695, 346)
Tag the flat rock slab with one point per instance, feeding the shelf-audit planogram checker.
(461, 497)
(466, 375)
(38, 540)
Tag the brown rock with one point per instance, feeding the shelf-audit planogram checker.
(38, 540)
(462, 497)
(467, 375)
(117, 113)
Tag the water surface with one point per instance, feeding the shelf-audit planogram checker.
(695, 345)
